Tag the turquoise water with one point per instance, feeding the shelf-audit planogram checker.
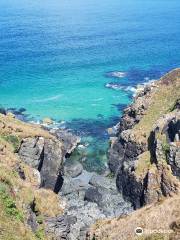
(55, 56)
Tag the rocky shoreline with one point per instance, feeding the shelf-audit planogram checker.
(86, 196)
(144, 160)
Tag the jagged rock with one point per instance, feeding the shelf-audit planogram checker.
(52, 164)
(125, 148)
(115, 156)
(47, 156)
(71, 185)
(109, 202)
(133, 113)
(31, 151)
(69, 140)
(87, 214)
(37, 177)
(168, 148)
(130, 186)
(90, 197)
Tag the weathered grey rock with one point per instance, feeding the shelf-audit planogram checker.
(103, 182)
(37, 177)
(174, 159)
(93, 195)
(71, 185)
(86, 215)
(69, 140)
(73, 169)
(126, 148)
(133, 113)
(47, 155)
(31, 151)
(59, 227)
(52, 165)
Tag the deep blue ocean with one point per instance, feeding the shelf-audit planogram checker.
(57, 59)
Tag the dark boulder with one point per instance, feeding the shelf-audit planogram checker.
(93, 195)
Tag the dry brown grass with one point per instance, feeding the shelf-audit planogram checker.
(152, 217)
(47, 203)
(12, 126)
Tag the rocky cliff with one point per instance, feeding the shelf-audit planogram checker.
(62, 199)
(145, 158)
(145, 153)
(31, 166)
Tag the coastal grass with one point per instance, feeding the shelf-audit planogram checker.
(9, 125)
(9, 203)
(162, 101)
(163, 215)
(17, 194)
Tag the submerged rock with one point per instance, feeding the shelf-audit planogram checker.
(2, 110)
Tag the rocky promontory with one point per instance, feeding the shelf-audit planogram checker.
(144, 156)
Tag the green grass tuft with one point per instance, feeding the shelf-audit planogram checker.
(8, 203)
(13, 140)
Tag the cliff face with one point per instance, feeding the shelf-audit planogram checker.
(145, 158)
(145, 153)
(31, 158)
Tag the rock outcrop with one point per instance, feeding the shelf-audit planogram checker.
(47, 155)
(145, 151)
(24, 206)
